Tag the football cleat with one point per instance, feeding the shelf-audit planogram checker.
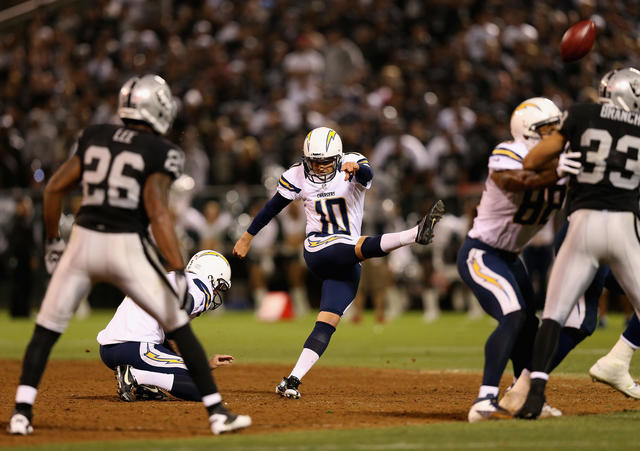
(149, 393)
(615, 373)
(19, 424)
(288, 387)
(487, 408)
(126, 383)
(533, 405)
(428, 223)
(224, 421)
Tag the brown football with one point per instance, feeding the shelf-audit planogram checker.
(577, 40)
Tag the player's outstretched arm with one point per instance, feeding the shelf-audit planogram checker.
(521, 180)
(156, 201)
(349, 168)
(546, 150)
(62, 180)
(266, 214)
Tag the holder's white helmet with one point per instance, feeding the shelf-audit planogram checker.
(324, 146)
(530, 115)
(211, 266)
(148, 99)
(621, 87)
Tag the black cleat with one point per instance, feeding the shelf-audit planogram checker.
(535, 401)
(126, 383)
(149, 393)
(288, 387)
(428, 223)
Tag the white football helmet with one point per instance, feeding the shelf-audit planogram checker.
(323, 146)
(530, 115)
(148, 99)
(621, 87)
(211, 266)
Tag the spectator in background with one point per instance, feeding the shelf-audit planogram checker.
(22, 258)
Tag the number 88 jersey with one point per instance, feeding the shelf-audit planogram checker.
(116, 162)
(335, 207)
(508, 220)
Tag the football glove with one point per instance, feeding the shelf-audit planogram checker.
(52, 252)
(569, 163)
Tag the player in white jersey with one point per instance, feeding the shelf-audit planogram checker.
(134, 344)
(514, 206)
(332, 187)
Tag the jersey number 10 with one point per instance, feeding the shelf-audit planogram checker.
(326, 208)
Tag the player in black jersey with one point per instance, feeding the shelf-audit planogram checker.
(603, 210)
(125, 173)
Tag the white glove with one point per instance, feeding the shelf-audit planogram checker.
(53, 250)
(568, 163)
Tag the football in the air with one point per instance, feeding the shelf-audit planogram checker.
(577, 40)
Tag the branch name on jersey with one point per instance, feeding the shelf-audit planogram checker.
(132, 323)
(335, 207)
(508, 220)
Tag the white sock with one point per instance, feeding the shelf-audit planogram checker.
(26, 394)
(306, 360)
(392, 241)
(488, 390)
(162, 380)
(622, 351)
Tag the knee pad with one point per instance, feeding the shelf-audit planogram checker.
(319, 338)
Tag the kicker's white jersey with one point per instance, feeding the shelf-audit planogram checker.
(335, 207)
(132, 323)
(508, 220)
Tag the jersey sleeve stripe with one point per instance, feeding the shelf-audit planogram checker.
(507, 153)
(363, 161)
(286, 185)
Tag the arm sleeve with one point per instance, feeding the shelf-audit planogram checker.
(364, 174)
(268, 212)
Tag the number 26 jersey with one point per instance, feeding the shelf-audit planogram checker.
(508, 220)
(116, 162)
(335, 207)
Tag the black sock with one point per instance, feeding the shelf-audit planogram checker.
(523, 348)
(37, 355)
(544, 348)
(371, 247)
(195, 359)
(569, 338)
(499, 347)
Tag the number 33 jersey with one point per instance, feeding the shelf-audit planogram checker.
(609, 140)
(508, 220)
(335, 207)
(116, 162)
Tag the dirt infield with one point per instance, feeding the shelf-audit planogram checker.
(78, 402)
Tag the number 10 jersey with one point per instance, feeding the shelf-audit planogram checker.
(116, 162)
(508, 220)
(335, 207)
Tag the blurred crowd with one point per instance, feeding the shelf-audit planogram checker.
(424, 89)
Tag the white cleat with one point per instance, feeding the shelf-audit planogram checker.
(549, 412)
(19, 425)
(487, 409)
(615, 373)
(227, 422)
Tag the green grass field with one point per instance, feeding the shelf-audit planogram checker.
(451, 343)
